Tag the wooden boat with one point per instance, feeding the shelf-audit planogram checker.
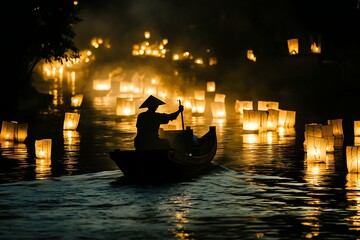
(185, 160)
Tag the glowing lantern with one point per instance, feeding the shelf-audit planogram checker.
(255, 120)
(21, 132)
(250, 55)
(315, 148)
(147, 34)
(272, 119)
(150, 90)
(102, 84)
(125, 107)
(312, 130)
(8, 130)
(71, 121)
(266, 105)
(240, 106)
(315, 48)
(356, 141)
(219, 98)
(337, 127)
(293, 46)
(198, 106)
(290, 118)
(353, 158)
(328, 135)
(210, 86)
(199, 94)
(43, 148)
(218, 109)
(14, 131)
(76, 100)
(212, 61)
(357, 128)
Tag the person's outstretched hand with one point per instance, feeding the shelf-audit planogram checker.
(181, 108)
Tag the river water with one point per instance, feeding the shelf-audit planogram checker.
(262, 187)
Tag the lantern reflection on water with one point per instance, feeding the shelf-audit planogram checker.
(43, 148)
(71, 121)
(353, 158)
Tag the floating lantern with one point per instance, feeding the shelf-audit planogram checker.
(199, 94)
(356, 141)
(125, 107)
(219, 98)
(337, 127)
(251, 55)
(210, 86)
(76, 100)
(254, 120)
(240, 106)
(315, 148)
(8, 130)
(266, 105)
(102, 84)
(21, 132)
(71, 121)
(312, 130)
(198, 106)
(272, 119)
(218, 109)
(293, 46)
(212, 61)
(353, 159)
(43, 148)
(357, 128)
(14, 131)
(328, 135)
(315, 46)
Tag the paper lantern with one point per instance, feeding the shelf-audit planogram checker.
(251, 55)
(76, 100)
(357, 128)
(198, 106)
(337, 127)
(290, 119)
(71, 121)
(272, 119)
(219, 98)
(266, 105)
(8, 130)
(218, 109)
(125, 107)
(353, 158)
(43, 148)
(21, 132)
(240, 106)
(210, 86)
(102, 84)
(356, 141)
(315, 148)
(251, 120)
(14, 131)
(293, 46)
(199, 94)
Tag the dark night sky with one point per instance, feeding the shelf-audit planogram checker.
(259, 24)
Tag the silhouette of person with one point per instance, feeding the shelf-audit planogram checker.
(148, 124)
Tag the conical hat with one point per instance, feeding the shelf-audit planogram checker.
(151, 101)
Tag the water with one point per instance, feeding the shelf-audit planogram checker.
(261, 187)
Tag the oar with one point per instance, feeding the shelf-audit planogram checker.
(182, 117)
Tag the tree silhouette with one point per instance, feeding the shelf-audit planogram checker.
(37, 30)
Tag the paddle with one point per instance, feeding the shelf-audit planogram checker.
(182, 117)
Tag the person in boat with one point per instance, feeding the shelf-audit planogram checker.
(148, 124)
